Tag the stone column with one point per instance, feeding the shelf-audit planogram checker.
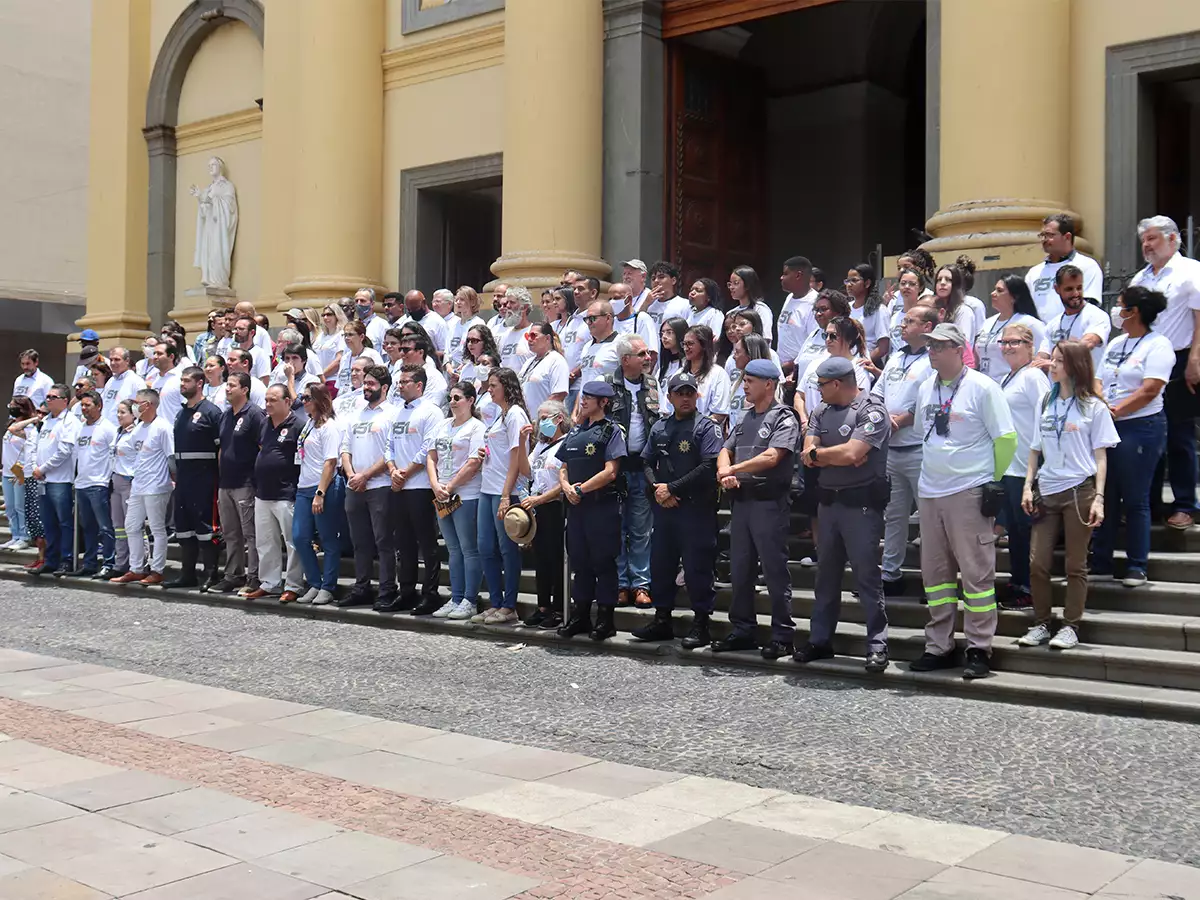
(118, 172)
(553, 134)
(998, 183)
(281, 122)
(337, 216)
(634, 130)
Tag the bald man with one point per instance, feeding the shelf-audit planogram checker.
(262, 337)
(418, 311)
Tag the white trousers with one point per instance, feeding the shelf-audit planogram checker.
(146, 509)
(272, 532)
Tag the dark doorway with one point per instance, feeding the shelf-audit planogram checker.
(458, 236)
(1172, 187)
(831, 99)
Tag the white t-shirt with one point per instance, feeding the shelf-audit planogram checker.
(1073, 326)
(328, 346)
(764, 313)
(978, 310)
(455, 445)
(661, 310)
(456, 338)
(412, 430)
(1024, 391)
(14, 447)
(574, 335)
(598, 360)
(434, 325)
(1179, 282)
(258, 396)
(118, 388)
(260, 362)
(989, 356)
(731, 368)
(710, 316)
(366, 438)
(1130, 361)
(544, 465)
(812, 347)
(897, 388)
(376, 326)
(55, 454)
(964, 318)
(963, 458)
(514, 348)
(124, 453)
(1068, 435)
(1040, 279)
(715, 397)
(317, 446)
(643, 326)
(94, 454)
(33, 386)
(812, 393)
(542, 377)
(170, 401)
(153, 442)
(502, 437)
(875, 326)
(348, 358)
(794, 323)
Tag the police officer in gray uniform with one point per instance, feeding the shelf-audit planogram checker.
(847, 439)
(755, 466)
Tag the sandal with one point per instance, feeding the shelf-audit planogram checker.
(641, 599)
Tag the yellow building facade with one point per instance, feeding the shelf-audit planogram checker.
(430, 143)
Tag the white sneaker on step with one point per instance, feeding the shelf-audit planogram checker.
(1065, 639)
(1035, 636)
(443, 611)
(464, 610)
(309, 596)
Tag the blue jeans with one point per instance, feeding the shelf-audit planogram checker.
(1181, 442)
(460, 531)
(14, 505)
(633, 560)
(95, 517)
(1018, 525)
(1131, 467)
(495, 546)
(330, 525)
(58, 523)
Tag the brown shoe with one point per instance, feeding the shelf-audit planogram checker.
(623, 598)
(152, 579)
(287, 597)
(256, 594)
(641, 599)
(128, 578)
(1180, 521)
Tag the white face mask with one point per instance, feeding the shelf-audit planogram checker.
(618, 306)
(1117, 318)
(148, 350)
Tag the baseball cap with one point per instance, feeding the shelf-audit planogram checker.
(948, 332)
(89, 336)
(682, 381)
(635, 264)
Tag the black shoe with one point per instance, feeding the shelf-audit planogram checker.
(877, 661)
(229, 585)
(580, 621)
(427, 607)
(62, 572)
(210, 582)
(117, 573)
(388, 603)
(82, 573)
(1017, 602)
(893, 588)
(604, 624)
(698, 637)
(536, 618)
(105, 573)
(811, 652)
(977, 664)
(551, 621)
(39, 569)
(929, 662)
(183, 580)
(735, 641)
(777, 649)
(658, 630)
(356, 597)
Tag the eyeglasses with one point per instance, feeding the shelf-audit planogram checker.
(457, 399)
(909, 284)
(1013, 342)
(591, 319)
(831, 336)
(1046, 235)
(850, 281)
(826, 382)
(939, 345)
(688, 343)
(472, 340)
(53, 397)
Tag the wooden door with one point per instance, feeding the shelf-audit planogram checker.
(716, 160)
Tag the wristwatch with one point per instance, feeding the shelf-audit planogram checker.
(578, 488)
(320, 493)
(812, 454)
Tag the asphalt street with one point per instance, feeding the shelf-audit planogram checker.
(1121, 784)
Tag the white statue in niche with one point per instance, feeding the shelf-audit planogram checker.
(216, 226)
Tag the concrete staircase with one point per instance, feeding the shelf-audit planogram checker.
(1140, 656)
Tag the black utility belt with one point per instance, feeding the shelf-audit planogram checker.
(754, 491)
(907, 448)
(873, 496)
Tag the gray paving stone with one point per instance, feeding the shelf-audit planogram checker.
(259, 834)
(182, 724)
(346, 859)
(627, 822)
(113, 679)
(262, 709)
(128, 870)
(68, 838)
(114, 790)
(40, 884)
(238, 737)
(237, 882)
(531, 801)
(26, 810)
(1051, 863)
(531, 763)
(444, 878)
(611, 779)
(321, 722)
(36, 776)
(386, 735)
(8, 865)
(967, 884)
(850, 873)
(1153, 879)
(126, 711)
(303, 752)
(409, 775)
(184, 811)
(731, 845)
(454, 749)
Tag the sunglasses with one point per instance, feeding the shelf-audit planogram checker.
(472, 340)
(306, 398)
(591, 319)
(831, 336)
(940, 345)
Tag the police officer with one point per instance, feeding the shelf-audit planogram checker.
(847, 439)
(197, 435)
(680, 461)
(591, 458)
(755, 466)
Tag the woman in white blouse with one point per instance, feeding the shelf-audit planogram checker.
(1075, 430)
(545, 503)
(745, 287)
(866, 308)
(329, 344)
(699, 358)
(320, 507)
(948, 297)
(1014, 306)
(1136, 367)
(545, 375)
(354, 334)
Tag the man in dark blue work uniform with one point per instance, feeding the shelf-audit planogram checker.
(591, 457)
(681, 467)
(197, 436)
(755, 466)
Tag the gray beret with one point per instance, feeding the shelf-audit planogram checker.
(762, 368)
(835, 367)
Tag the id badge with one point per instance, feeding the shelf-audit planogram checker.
(1112, 392)
(41, 489)
(299, 460)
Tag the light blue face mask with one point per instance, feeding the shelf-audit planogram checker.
(548, 428)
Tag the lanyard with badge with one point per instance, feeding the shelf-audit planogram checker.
(1011, 375)
(941, 418)
(304, 433)
(1126, 352)
(1059, 424)
(1066, 335)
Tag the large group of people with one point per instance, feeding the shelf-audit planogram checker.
(624, 419)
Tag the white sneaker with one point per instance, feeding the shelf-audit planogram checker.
(503, 617)
(465, 609)
(443, 611)
(1134, 578)
(808, 562)
(309, 596)
(323, 598)
(7, 545)
(19, 545)
(1065, 639)
(483, 617)
(1035, 636)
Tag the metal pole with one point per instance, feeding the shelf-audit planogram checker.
(566, 613)
(1191, 237)
(75, 531)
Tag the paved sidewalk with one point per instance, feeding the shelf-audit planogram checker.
(119, 784)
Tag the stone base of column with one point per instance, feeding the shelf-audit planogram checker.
(118, 329)
(1004, 224)
(192, 311)
(538, 269)
(321, 289)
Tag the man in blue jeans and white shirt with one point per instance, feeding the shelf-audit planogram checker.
(54, 474)
(93, 472)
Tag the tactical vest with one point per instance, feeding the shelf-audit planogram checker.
(582, 452)
(676, 451)
(751, 438)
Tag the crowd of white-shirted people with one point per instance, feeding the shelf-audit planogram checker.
(1019, 413)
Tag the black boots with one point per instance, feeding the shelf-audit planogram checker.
(580, 621)
(189, 549)
(604, 624)
(211, 576)
(698, 637)
(658, 630)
